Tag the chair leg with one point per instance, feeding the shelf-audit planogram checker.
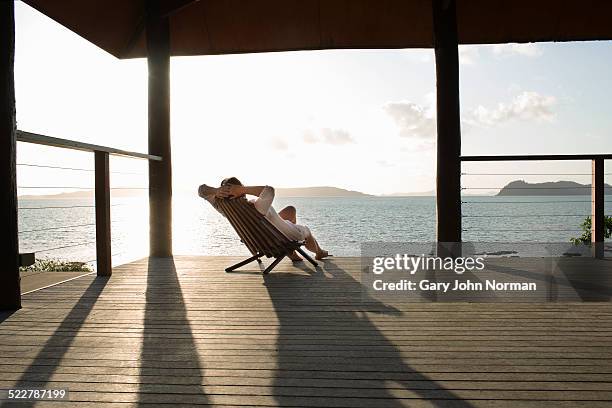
(273, 264)
(242, 263)
(305, 255)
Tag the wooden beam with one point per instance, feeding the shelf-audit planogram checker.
(538, 157)
(35, 138)
(160, 173)
(103, 216)
(448, 175)
(10, 294)
(597, 206)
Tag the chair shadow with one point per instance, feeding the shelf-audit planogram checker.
(329, 347)
(170, 368)
(39, 373)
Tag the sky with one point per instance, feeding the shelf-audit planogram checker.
(357, 119)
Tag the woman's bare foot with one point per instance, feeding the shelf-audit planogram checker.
(294, 257)
(321, 254)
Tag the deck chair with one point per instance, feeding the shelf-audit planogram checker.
(258, 234)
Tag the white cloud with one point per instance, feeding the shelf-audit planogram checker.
(418, 122)
(279, 144)
(526, 50)
(468, 54)
(334, 137)
(309, 137)
(525, 106)
(413, 120)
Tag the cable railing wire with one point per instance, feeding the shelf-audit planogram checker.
(58, 228)
(81, 188)
(65, 207)
(78, 169)
(524, 188)
(524, 202)
(519, 230)
(531, 174)
(53, 167)
(526, 216)
(66, 246)
(95, 259)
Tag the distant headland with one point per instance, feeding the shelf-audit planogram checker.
(553, 188)
(280, 192)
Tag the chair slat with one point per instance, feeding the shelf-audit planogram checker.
(255, 227)
(234, 220)
(256, 232)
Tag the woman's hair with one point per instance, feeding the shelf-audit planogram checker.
(231, 181)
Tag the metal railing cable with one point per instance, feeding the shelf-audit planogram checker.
(571, 208)
(64, 207)
(72, 227)
(66, 246)
(58, 228)
(78, 169)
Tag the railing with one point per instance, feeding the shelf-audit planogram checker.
(102, 194)
(597, 193)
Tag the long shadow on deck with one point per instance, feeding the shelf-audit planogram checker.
(565, 280)
(170, 369)
(329, 352)
(48, 359)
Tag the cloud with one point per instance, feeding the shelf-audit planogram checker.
(525, 106)
(334, 137)
(279, 144)
(385, 163)
(525, 50)
(418, 122)
(309, 137)
(413, 120)
(468, 54)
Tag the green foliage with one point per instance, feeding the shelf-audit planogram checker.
(585, 238)
(56, 265)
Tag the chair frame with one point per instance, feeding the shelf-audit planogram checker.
(258, 234)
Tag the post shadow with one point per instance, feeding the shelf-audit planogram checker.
(336, 360)
(170, 368)
(46, 362)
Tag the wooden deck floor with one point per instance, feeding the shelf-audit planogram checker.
(182, 332)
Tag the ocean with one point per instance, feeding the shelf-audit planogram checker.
(65, 229)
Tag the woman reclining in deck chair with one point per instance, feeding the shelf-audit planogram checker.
(284, 220)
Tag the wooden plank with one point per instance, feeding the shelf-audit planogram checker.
(160, 173)
(448, 173)
(180, 330)
(35, 138)
(597, 208)
(103, 215)
(10, 293)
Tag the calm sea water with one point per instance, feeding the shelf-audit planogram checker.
(340, 224)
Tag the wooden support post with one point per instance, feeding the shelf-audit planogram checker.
(10, 293)
(448, 176)
(597, 206)
(160, 172)
(103, 217)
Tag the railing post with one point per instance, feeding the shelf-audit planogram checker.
(10, 293)
(597, 207)
(103, 220)
(448, 173)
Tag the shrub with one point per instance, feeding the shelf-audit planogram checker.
(585, 238)
(56, 265)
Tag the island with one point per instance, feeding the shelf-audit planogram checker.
(552, 188)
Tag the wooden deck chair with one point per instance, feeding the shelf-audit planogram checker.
(258, 234)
